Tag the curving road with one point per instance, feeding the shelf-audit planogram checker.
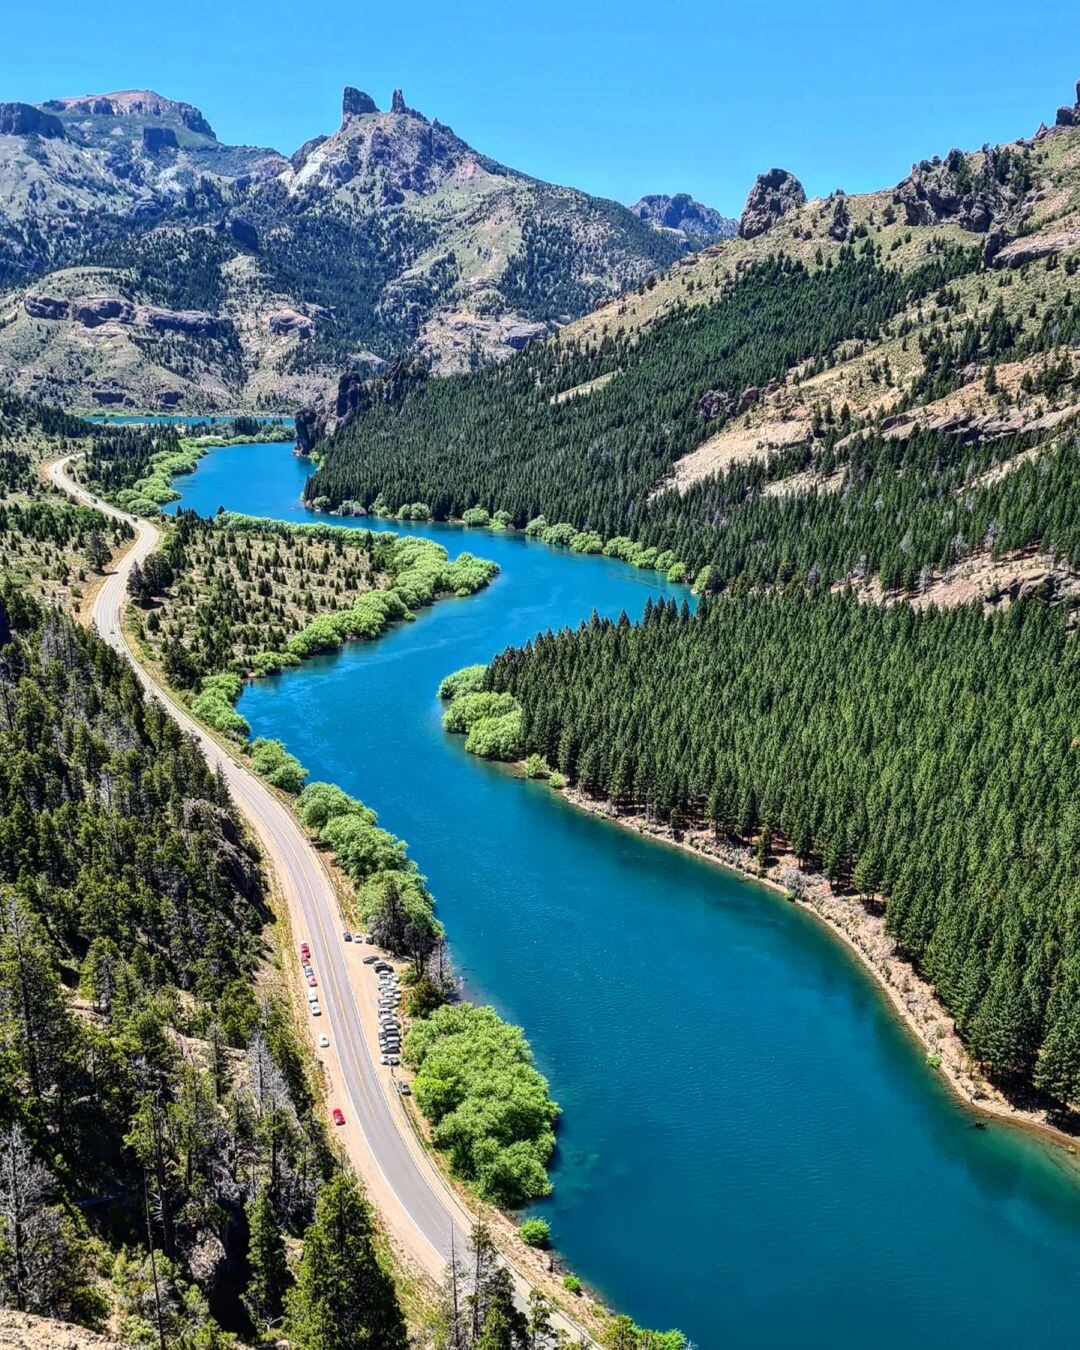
(413, 1199)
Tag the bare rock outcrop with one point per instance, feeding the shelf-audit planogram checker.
(244, 233)
(23, 119)
(159, 138)
(773, 195)
(1021, 251)
(290, 322)
(45, 306)
(300, 157)
(355, 103)
(93, 310)
(977, 195)
(194, 322)
(1070, 117)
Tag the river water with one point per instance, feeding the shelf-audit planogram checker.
(752, 1147)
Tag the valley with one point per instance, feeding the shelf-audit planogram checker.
(539, 761)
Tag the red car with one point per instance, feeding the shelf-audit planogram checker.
(312, 981)
(305, 952)
(339, 1116)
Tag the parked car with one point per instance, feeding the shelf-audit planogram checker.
(405, 1089)
(339, 1116)
(324, 1041)
(316, 1011)
(347, 935)
(370, 960)
(362, 937)
(312, 981)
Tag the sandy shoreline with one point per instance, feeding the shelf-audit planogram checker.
(863, 933)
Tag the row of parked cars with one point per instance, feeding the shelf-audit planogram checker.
(389, 1012)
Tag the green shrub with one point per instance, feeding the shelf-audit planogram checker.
(320, 802)
(467, 680)
(535, 1232)
(536, 766)
(476, 515)
(489, 1107)
(272, 761)
(496, 737)
(466, 709)
(572, 1283)
(214, 705)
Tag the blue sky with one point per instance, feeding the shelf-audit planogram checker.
(617, 98)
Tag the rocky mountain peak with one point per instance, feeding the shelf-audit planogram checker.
(699, 223)
(397, 102)
(355, 103)
(132, 103)
(23, 119)
(773, 195)
(1070, 117)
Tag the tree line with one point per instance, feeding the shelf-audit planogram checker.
(926, 757)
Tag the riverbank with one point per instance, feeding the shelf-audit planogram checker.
(863, 933)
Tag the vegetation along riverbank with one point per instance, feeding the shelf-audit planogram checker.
(794, 715)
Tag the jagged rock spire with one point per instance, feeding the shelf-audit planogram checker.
(354, 103)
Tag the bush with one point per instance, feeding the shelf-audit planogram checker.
(496, 737)
(475, 515)
(489, 1107)
(467, 709)
(214, 705)
(572, 1283)
(536, 766)
(467, 680)
(320, 802)
(535, 1232)
(272, 761)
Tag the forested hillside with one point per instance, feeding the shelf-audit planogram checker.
(143, 1080)
(929, 758)
(842, 393)
(159, 1153)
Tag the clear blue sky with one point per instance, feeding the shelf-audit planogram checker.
(617, 98)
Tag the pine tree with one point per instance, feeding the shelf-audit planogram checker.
(266, 1256)
(343, 1298)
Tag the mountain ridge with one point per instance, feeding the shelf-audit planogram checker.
(389, 233)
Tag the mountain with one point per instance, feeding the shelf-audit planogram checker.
(145, 263)
(698, 224)
(739, 387)
(74, 170)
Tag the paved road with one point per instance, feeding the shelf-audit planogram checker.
(427, 1217)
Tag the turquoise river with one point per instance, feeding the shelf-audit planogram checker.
(752, 1148)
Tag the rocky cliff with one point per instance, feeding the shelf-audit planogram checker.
(773, 195)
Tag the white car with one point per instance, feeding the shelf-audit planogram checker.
(324, 1041)
(316, 1011)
